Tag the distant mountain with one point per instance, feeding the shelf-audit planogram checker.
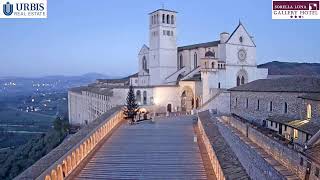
(292, 68)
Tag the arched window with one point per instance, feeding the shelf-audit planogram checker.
(172, 19)
(180, 61)
(309, 111)
(168, 19)
(258, 105)
(144, 97)
(144, 63)
(195, 60)
(238, 81)
(138, 97)
(157, 20)
(285, 107)
(212, 65)
(242, 77)
(242, 80)
(163, 18)
(270, 106)
(219, 85)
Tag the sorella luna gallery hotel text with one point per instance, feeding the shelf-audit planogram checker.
(24, 9)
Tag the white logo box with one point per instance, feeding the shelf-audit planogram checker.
(23, 9)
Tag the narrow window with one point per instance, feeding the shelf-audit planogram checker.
(144, 63)
(212, 65)
(276, 125)
(172, 19)
(238, 81)
(285, 127)
(236, 102)
(285, 108)
(181, 62)
(271, 123)
(168, 19)
(242, 80)
(163, 18)
(295, 134)
(219, 85)
(270, 106)
(247, 103)
(309, 111)
(195, 60)
(164, 32)
(258, 105)
(157, 21)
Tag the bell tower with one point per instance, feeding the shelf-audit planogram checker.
(163, 45)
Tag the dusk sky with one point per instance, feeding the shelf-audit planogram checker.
(105, 36)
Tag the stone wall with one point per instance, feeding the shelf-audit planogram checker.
(223, 160)
(253, 113)
(256, 166)
(286, 156)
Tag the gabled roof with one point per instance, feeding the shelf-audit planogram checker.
(144, 47)
(240, 24)
(162, 9)
(297, 84)
(200, 45)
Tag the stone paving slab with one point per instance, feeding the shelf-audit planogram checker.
(163, 150)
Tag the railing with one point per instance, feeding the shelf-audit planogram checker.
(80, 145)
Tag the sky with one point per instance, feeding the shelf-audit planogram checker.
(105, 36)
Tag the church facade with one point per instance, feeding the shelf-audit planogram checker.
(185, 78)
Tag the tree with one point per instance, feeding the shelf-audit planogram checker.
(131, 109)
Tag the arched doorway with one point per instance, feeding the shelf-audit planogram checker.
(186, 99)
(169, 108)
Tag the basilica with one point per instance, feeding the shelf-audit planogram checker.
(174, 78)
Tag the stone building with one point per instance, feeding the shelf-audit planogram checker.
(172, 78)
(289, 105)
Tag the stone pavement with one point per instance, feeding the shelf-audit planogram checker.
(163, 150)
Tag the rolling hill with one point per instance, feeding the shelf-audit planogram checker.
(292, 68)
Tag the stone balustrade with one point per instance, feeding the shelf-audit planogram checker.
(64, 159)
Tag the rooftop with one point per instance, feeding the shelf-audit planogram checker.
(313, 96)
(307, 126)
(314, 153)
(298, 84)
(97, 90)
(200, 45)
(162, 9)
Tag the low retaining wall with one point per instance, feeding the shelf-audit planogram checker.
(223, 160)
(65, 158)
(256, 166)
(286, 156)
